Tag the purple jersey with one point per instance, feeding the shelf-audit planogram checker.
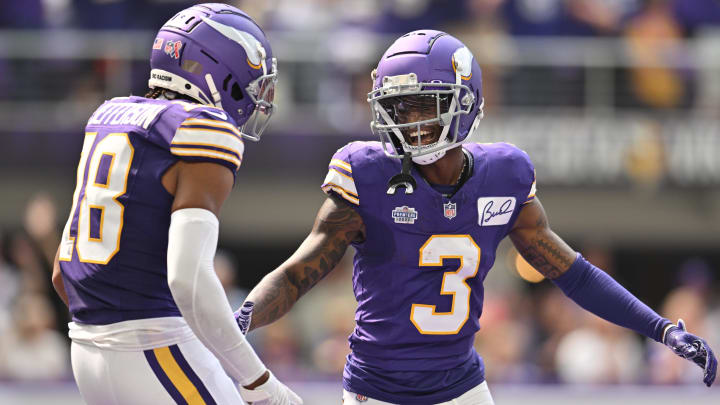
(114, 246)
(418, 276)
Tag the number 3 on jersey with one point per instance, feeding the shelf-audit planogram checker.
(439, 247)
(99, 215)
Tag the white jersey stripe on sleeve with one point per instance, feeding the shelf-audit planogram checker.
(341, 164)
(342, 180)
(343, 174)
(204, 146)
(206, 153)
(212, 123)
(219, 139)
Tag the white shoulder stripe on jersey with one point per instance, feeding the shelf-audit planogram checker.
(187, 106)
(212, 123)
(342, 180)
(208, 153)
(341, 164)
(208, 137)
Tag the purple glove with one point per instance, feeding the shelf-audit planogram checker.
(244, 315)
(691, 347)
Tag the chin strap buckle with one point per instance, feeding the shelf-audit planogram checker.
(403, 179)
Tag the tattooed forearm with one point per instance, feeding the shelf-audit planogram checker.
(538, 244)
(556, 250)
(272, 298)
(547, 256)
(336, 226)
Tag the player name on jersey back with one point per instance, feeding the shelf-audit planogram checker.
(136, 114)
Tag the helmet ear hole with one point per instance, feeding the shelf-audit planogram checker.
(226, 81)
(236, 92)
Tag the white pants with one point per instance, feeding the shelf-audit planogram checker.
(480, 395)
(173, 373)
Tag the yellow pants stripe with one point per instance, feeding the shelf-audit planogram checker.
(177, 376)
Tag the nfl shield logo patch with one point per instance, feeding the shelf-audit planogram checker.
(361, 398)
(450, 210)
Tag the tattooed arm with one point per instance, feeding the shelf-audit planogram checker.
(336, 226)
(587, 285)
(538, 244)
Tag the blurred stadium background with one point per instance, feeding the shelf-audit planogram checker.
(616, 101)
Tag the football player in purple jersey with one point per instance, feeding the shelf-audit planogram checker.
(426, 239)
(151, 323)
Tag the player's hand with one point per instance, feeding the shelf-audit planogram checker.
(271, 392)
(243, 316)
(691, 347)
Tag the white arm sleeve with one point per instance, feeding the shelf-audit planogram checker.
(200, 296)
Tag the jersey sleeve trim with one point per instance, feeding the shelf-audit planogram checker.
(328, 187)
(350, 183)
(531, 194)
(203, 136)
(216, 124)
(341, 164)
(339, 179)
(341, 183)
(207, 153)
(211, 140)
(204, 145)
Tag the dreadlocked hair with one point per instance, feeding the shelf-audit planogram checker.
(154, 93)
(168, 94)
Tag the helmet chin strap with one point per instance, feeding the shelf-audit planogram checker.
(430, 158)
(213, 90)
(404, 179)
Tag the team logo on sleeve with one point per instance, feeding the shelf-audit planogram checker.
(404, 215)
(495, 210)
(450, 210)
(172, 48)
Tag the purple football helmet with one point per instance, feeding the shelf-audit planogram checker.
(217, 55)
(430, 70)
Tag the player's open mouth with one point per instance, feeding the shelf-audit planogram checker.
(425, 136)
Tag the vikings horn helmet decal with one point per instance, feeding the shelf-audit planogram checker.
(253, 48)
(225, 61)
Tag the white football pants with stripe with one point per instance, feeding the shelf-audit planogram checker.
(480, 395)
(151, 361)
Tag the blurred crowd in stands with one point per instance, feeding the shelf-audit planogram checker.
(519, 17)
(650, 28)
(530, 332)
